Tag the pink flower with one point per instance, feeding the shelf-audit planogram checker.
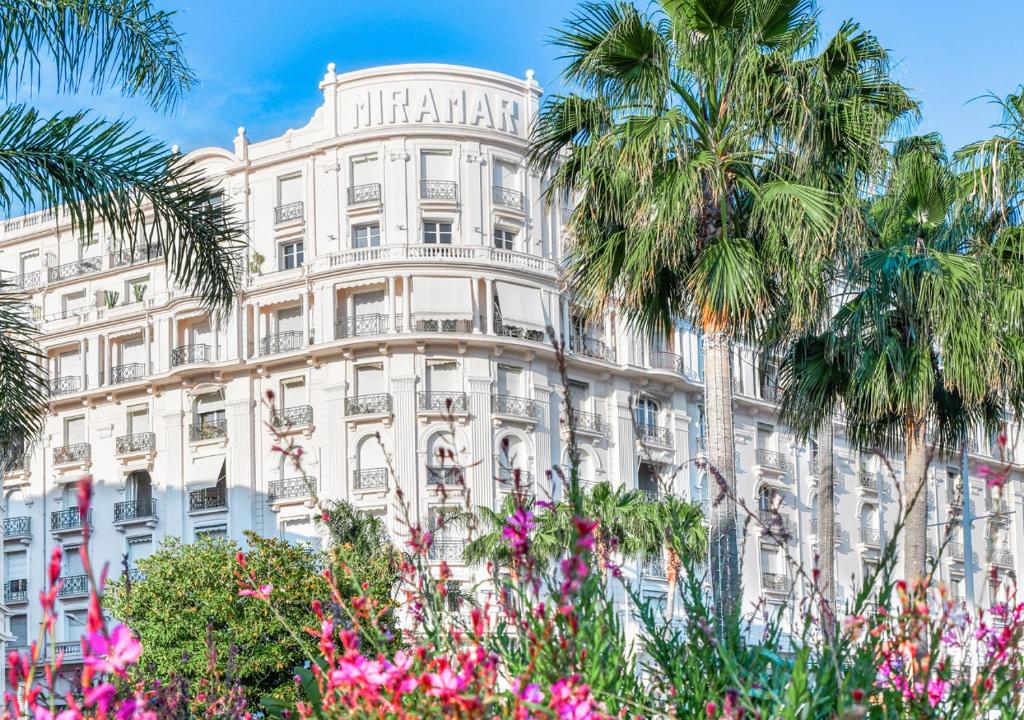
(263, 593)
(585, 531)
(113, 654)
(517, 530)
(571, 702)
(41, 712)
(101, 696)
(936, 691)
(445, 684)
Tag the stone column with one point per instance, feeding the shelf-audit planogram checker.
(544, 440)
(407, 303)
(392, 303)
(489, 307)
(170, 475)
(481, 482)
(242, 487)
(336, 480)
(405, 453)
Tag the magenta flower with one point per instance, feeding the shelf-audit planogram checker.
(113, 654)
(262, 593)
(41, 712)
(445, 684)
(517, 530)
(101, 696)
(936, 691)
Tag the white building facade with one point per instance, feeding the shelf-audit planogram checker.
(403, 264)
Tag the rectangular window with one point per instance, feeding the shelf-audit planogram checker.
(765, 437)
(73, 561)
(293, 392)
(69, 364)
(73, 302)
(210, 409)
(139, 548)
(579, 395)
(19, 629)
(510, 380)
(298, 531)
(437, 233)
(363, 170)
(289, 189)
(370, 379)
(74, 430)
(364, 236)
(289, 319)
(29, 262)
(442, 376)
(504, 239)
(436, 165)
(291, 254)
(16, 565)
(138, 419)
(214, 532)
(506, 175)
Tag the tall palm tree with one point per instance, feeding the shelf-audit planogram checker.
(93, 171)
(692, 145)
(491, 546)
(623, 520)
(916, 346)
(673, 528)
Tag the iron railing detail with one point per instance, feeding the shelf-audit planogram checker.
(655, 567)
(362, 325)
(69, 519)
(139, 442)
(296, 487)
(662, 360)
(64, 385)
(368, 192)
(443, 401)
(439, 190)
(80, 452)
(375, 404)
(586, 346)
(654, 433)
(871, 536)
(516, 406)
(209, 430)
(440, 325)
(776, 582)
(72, 649)
(447, 549)
(370, 478)
(71, 585)
(589, 422)
(513, 331)
(134, 509)
(78, 268)
(129, 372)
(207, 499)
(27, 281)
(507, 197)
(445, 475)
(956, 550)
(190, 354)
(290, 211)
(1000, 556)
(771, 459)
(282, 342)
(142, 254)
(20, 526)
(16, 590)
(292, 417)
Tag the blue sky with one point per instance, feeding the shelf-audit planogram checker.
(259, 61)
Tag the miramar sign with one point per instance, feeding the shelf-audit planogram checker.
(474, 107)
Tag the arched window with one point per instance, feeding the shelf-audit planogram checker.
(371, 464)
(442, 461)
(647, 480)
(769, 500)
(512, 456)
(139, 488)
(869, 532)
(647, 411)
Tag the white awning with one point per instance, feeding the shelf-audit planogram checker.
(521, 306)
(435, 298)
(205, 471)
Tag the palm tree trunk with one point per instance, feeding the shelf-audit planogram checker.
(915, 528)
(672, 573)
(721, 448)
(826, 512)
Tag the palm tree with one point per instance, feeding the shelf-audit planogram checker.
(673, 527)
(491, 546)
(692, 146)
(916, 346)
(97, 171)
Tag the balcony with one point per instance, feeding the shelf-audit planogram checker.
(375, 404)
(956, 550)
(288, 212)
(362, 326)
(776, 521)
(69, 650)
(128, 256)
(141, 511)
(129, 372)
(508, 198)
(514, 406)
(872, 537)
(136, 444)
(283, 342)
(79, 453)
(73, 586)
(1000, 556)
(293, 417)
(589, 347)
(771, 460)
(668, 361)
(439, 190)
(654, 434)
(775, 582)
(296, 488)
(999, 506)
(770, 393)
(448, 475)
(447, 550)
(190, 355)
(587, 422)
(16, 591)
(867, 480)
(18, 528)
(367, 193)
(215, 498)
(654, 567)
(514, 331)
(370, 479)
(511, 478)
(440, 325)
(69, 520)
(15, 462)
(209, 430)
(443, 401)
(26, 281)
(64, 385)
(78, 268)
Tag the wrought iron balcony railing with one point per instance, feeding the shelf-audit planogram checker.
(137, 443)
(514, 406)
(370, 479)
(586, 346)
(439, 190)
(297, 416)
(374, 404)
(956, 550)
(190, 354)
(776, 582)
(668, 361)
(654, 434)
(129, 372)
(1000, 556)
(513, 477)
(141, 254)
(449, 550)
(20, 526)
(871, 536)
(998, 505)
(289, 488)
(207, 499)
(589, 422)
(209, 430)
(78, 268)
(867, 480)
(771, 459)
(507, 197)
(26, 281)
(288, 212)
(771, 393)
(282, 342)
(368, 192)
(69, 519)
(655, 567)
(513, 331)
(443, 401)
(134, 509)
(64, 385)
(72, 585)
(362, 326)
(445, 475)
(16, 590)
(440, 325)
(80, 453)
